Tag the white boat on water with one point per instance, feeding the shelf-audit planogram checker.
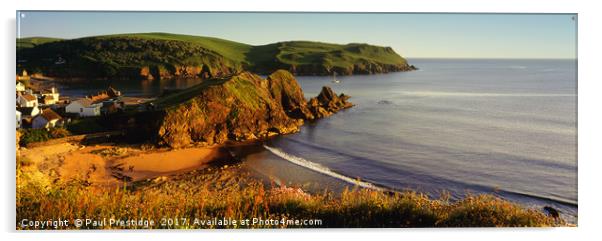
(334, 78)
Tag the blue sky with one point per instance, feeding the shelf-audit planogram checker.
(411, 35)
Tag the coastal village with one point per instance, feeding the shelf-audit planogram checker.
(42, 106)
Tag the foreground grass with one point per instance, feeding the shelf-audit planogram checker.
(228, 193)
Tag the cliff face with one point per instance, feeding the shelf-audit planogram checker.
(362, 68)
(241, 107)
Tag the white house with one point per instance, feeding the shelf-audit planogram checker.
(47, 100)
(20, 87)
(27, 100)
(47, 119)
(50, 95)
(18, 119)
(84, 107)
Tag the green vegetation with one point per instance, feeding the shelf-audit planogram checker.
(232, 50)
(122, 57)
(187, 94)
(59, 132)
(246, 92)
(240, 107)
(216, 110)
(230, 193)
(85, 126)
(315, 57)
(39, 135)
(163, 55)
(241, 86)
(31, 42)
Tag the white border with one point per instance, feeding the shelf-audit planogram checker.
(589, 116)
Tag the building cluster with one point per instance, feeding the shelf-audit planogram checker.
(45, 108)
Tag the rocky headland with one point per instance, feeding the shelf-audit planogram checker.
(241, 107)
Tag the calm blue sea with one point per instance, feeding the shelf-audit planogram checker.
(506, 127)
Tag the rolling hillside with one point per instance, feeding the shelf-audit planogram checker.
(163, 55)
(34, 41)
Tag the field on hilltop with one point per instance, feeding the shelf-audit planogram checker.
(164, 55)
(24, 43)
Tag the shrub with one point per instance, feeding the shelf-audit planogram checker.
(39, 135)
(59, 132)
(85, 126)
(490, 211)
(34, 135)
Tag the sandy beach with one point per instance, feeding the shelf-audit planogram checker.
(108, 164)
(159, 163)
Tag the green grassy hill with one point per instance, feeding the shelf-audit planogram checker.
(316, 58)
(163, 55)
(34, 41)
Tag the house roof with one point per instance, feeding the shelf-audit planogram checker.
(49, 115)
(112, 92)
(48, 97)
(99, 97)
(85, 102)
(28, 97)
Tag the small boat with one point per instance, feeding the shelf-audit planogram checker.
(334, 78)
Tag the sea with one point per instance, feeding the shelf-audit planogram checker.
(455, 127)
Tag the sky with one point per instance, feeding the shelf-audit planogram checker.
(418, 35)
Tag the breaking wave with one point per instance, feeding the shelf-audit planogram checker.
(319, 168)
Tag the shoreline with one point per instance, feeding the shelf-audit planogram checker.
(108, 165)
(215, 188)
(70, 80)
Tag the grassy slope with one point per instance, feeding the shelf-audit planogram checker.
(306, 52)
(240, 86)
(229, 49)
(266, 58)
(186, 94)
(34, 41)
(292, 52)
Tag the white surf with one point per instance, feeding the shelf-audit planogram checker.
(319, 168)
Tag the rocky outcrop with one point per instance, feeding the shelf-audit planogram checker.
(239, 108)
(327, 103)
(285, 90)
(181, 71)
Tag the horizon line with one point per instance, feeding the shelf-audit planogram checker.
(406, 57)
(496, 58)
(208, 36)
